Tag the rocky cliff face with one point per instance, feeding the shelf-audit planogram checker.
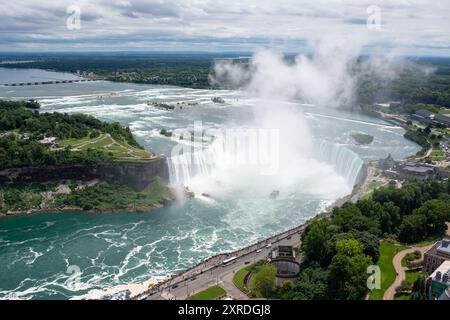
(135, 175)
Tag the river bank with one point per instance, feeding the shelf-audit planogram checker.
(124, 248)
(92, 196)
(80, 210)
(154, 287)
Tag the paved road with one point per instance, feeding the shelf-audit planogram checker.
(397, 262)
(372, 175)
(212, 271)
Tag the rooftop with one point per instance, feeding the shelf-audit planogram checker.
(424, 113)
(418, 169)
(444, 247)
(442, 118)
(283, 252)
(444, 268)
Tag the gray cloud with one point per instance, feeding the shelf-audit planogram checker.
(411, 25)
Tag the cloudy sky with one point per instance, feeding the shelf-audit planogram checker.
(412, 26)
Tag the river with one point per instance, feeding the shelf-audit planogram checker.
(38, 252)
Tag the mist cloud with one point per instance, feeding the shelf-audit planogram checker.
(325, 78)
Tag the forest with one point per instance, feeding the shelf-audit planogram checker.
(22, 127)
(102, 197)
(339, 250)
(423, 84)
(185, 70)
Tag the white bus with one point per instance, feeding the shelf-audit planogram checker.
(229, 261)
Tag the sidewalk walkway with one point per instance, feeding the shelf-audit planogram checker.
(231, 289)
(401, 275)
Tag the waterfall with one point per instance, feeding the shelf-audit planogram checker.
(345, 161)
(183, 168)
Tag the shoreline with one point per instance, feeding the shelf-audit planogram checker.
(184, 273)
(82, 211)
(138, 289)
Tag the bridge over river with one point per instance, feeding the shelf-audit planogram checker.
(37, 83)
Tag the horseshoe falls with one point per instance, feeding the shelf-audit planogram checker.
(232, 207)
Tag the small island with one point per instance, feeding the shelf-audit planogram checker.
(163, 106)
(218, 100)
(61, 162)
(362, 138)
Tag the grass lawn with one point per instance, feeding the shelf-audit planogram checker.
(73, 142)
(122, 149)
(437, 155)
(238, 278)
(412, 276)
(102, 142)
(212, 293)
(388, 274)
(373, 185)
(118, 149)
(135, 151)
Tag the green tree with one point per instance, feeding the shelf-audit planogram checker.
(419, 290)
(348, 277)
(314, 243)
(265, 280)
(311, 285)
(349, 218)
(390, 219)
(437, 212)
(413, 228)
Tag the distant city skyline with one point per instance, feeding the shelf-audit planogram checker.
(414, 27)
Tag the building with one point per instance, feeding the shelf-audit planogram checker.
(437, 255)
(439, 282)
(50, 141)
(440, 118)
(418, 171)
(283, 258)
(286, 252)
(423, 115)
(388, 163)
(400, 170)
(427, 116)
